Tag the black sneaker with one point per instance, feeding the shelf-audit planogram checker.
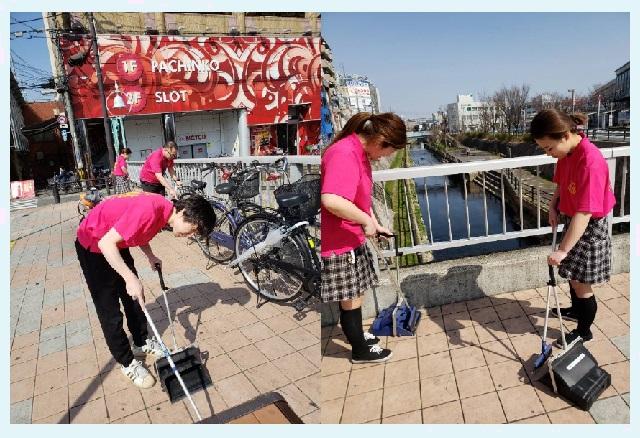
(571, 336)
(567, 313)
(374, 354)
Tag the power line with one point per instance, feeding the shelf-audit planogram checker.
(28, 21)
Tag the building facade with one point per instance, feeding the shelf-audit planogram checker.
(216, 84)
(466, 114)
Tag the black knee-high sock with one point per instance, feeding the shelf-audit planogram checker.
(587, 308)
(574, 297)
(351, 321)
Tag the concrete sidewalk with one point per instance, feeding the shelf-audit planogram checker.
(62, 372)
(472, 362)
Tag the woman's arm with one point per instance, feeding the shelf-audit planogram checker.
(346, 209)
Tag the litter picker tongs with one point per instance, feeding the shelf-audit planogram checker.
(551, 287)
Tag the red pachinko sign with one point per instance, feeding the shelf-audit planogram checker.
(147, 74)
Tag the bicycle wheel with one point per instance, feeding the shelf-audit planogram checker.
(276, 283)
(220, 247)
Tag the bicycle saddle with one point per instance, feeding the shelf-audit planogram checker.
(225, 188)
(288, 200)
(198, 185)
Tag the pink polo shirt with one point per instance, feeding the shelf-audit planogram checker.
(345, 171)
(136, 216)
(121, 163)
(583, 179)
(155, 163)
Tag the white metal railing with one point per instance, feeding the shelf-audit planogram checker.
(192, 169)
(519, 182)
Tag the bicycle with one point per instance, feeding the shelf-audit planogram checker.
(276, 253)
(243, 185)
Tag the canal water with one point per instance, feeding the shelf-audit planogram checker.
(438, 209)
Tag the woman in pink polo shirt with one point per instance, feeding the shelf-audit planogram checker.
(121, 172)
(347, 220)
(583, 198)
(103, 241)
(152, 177)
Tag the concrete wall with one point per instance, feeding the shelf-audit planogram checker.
(469, 278)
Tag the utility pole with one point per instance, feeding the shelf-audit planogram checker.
(60, 78)
(573, 99)
(103, 100)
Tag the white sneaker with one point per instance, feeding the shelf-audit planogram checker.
(151, 346)
(139, 375)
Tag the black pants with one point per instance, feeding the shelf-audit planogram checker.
(152, 188)
(107, 290)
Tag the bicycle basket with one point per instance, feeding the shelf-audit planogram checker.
(247, 185)
(309, 185)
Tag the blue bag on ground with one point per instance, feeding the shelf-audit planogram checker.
(401, 318)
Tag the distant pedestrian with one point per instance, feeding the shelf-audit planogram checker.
(582, 200)
(347, 220)
(152, 177)
(121, 171)
(103, 241)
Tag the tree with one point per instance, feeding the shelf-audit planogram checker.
(511, 102)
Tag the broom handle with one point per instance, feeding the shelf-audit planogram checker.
(166, 304)
(552, 285)
(167, 354)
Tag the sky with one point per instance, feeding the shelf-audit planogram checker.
(421, 61)
(33, 51)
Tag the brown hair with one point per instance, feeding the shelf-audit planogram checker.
(555, 124)
(125, 151)
(170, 144)
(387, 129)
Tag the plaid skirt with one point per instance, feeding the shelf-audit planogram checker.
(347, 276)
(589, 261)
(122, 184)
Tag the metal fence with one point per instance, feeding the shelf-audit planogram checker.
(514, 180)
(192, 169)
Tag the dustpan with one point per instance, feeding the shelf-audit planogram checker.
(187, 360)
(401, 318)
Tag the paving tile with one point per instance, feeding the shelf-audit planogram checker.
(82, 370)
(167, 413)
(310, 387)
(247, 357)
(619, 376)
(298, 400)
(401, 399)
(612, 327)
(626, 399)
(25, 340)
(462, 338)
(257, 332)
(23, 371)
(457, 321)
(448, 309)
(114, 381)
(361, 408)
(60, 418)
(81, 353)
(79, 338)
(366, 379)
(475, 381)
(334, 386)
(605, 351)
(22, 355)
(467, 357)
(52, 346)
(22, 390)
(430, 324)
(438, 390)
(483, 315)
(93, 412)
(518, 326)
(490, 332)
(313, 354)
(78, 325)
(612, 410)
(274, 347)
(436, 364)
(622, 342)
(299, 338)
(20, 413)
(520, 402)
(295, 366)
(51, 362)
(570, 415)
(123, 403)
(85, 391)
(414, 417)
(448, 413)
(498, 351)
(478, 303)
(404, 371)
(232, 340)
(49, 381)
(434, 343)
(403, 348)
(483, 409)
(221, 367)
(538, 419)
(331, 411)
(266, 377)
(50, 403)
(236, 389)
(508, 374)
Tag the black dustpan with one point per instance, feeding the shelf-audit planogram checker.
(188, 362)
